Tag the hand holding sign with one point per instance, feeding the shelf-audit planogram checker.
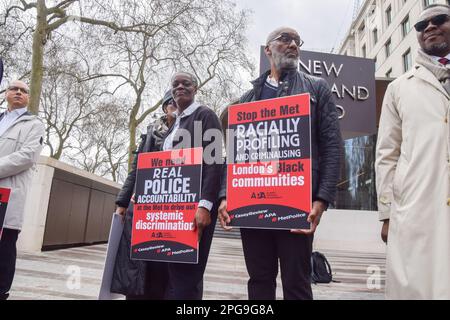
(202, 220)
(314, 218)
(224, 217)
(121, 211)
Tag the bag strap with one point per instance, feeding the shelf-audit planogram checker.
(327, 263)
(329, 267)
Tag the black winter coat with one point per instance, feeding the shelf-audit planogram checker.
(211, 173)
(130, 276)
(326, 140)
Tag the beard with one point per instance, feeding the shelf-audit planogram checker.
(282, 62)
(437, 49)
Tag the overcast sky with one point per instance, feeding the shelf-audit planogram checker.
(322, 24)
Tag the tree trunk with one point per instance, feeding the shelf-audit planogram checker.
(59, 152)
(114, 173)
(37, 72)
(132, 145)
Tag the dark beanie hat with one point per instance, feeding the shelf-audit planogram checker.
(167, 97)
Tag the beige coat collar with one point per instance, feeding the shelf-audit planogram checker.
(423, 73)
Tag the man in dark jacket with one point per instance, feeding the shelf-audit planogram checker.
(141, 280)
(263, 248)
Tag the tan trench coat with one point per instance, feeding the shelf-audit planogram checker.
(413, 174)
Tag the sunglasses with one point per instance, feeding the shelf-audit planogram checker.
(16, 89)
(436, 20)
(286, 38)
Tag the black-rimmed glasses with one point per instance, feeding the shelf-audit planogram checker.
(287, 38)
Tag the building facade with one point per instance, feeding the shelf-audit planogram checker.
(384, 31)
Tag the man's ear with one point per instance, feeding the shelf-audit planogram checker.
(268, 51)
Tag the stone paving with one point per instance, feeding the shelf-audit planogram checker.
(49, 275)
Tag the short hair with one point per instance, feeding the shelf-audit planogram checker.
(193, 78)
(276, 32)
(434, 9)
(16, 80)
(437, 5)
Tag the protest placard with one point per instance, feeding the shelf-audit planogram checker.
(4, 198)
(269, 163)
(168, 189)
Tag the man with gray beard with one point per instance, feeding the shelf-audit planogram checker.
(413, 167)
(263, 249)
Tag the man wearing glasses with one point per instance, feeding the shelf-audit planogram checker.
(21, 138)
(413, 167)
(264, 248)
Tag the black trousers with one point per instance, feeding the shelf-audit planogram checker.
(186, 280)
(262, 251)
(157, 277)
(8, 255)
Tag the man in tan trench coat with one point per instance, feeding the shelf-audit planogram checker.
(413, 167)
